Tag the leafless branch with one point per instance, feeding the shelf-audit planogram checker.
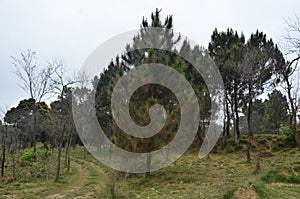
(34, 77)
(59, 79)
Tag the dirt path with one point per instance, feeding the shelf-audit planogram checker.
(88, 181)
(76, 185)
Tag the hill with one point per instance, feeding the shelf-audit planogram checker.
(274, 172)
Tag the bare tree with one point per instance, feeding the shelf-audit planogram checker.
(66, 135)
(292, 48)
(80, 93)
(35, 78)
(292, 37)
(36, 81)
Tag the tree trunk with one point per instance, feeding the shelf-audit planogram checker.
(294, 114)
(3, 151)
(66, 151)
(224, 124)
(3, 159)
(34, 130)
(59, 150)
(249, 149)
(236, 111)
(234, 123)
(249, 116)
(228, 118)
(68, 147)
(249, 124)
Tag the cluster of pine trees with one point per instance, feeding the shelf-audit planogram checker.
(249, 68)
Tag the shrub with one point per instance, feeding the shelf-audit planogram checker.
(286, 131)
(151, 101)
(27, 154)
(41, 152)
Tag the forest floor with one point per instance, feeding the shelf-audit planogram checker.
(226, 174)
(85, 180)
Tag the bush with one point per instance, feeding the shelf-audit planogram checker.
(27, 154)
(286, 131)
(151, 101)
(41, 152)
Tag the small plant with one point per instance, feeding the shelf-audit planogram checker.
(151, 101)
(41, 152)
(275, 176)
(260, 189)
(286, 131)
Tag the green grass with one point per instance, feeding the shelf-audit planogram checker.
(224, 175)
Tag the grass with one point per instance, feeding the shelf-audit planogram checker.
(225, 175)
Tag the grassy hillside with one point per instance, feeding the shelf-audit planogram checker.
(273, 173)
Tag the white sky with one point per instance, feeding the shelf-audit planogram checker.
(72, 29)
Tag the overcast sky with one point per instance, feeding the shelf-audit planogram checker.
(72, 29)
